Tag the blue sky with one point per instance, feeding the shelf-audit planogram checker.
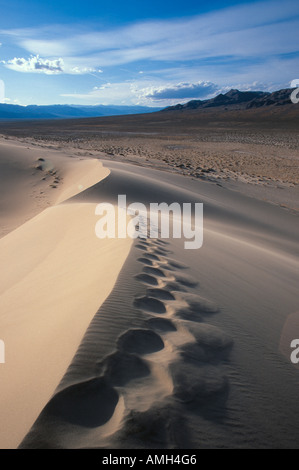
(153, 53)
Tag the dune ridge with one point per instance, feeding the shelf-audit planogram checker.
(141, 365)
(57, 274)
(34, 178)
(184, 353)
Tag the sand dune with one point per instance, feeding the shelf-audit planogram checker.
(192, 356)
(115, 344)
(55, 275)
(34, 178)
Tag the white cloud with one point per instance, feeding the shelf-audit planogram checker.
(36, 64)
(81, 70)
(181, 91)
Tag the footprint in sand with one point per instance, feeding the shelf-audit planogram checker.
(211, 345)
(193, 373)
(197, 384)
(152, 425)
(141, 246)
(184, 313)
(176, 265)
(162, 325)
(159, 241)
(197, 306)
(186, 280)
(162, 251)
(209, 336)
(152, 256)
(174, 287)
(161, 294)
(147, 279)
(140, 341)
(143, 241)
(153, 271)
(146, 261)
(88, 404)
(171, 266)
(150, 304)
(120, 367)
(198, 303)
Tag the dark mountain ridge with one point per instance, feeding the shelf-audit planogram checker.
(235, 99)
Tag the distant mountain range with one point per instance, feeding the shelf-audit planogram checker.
(236, 99)
(10, 111)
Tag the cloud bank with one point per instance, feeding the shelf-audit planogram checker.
(182, 91)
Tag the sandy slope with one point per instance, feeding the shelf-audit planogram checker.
(184, 352)
(55, 275)
(192, 358)
(34, 178)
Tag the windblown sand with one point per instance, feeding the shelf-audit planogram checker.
(144, 344)
(185, 352)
